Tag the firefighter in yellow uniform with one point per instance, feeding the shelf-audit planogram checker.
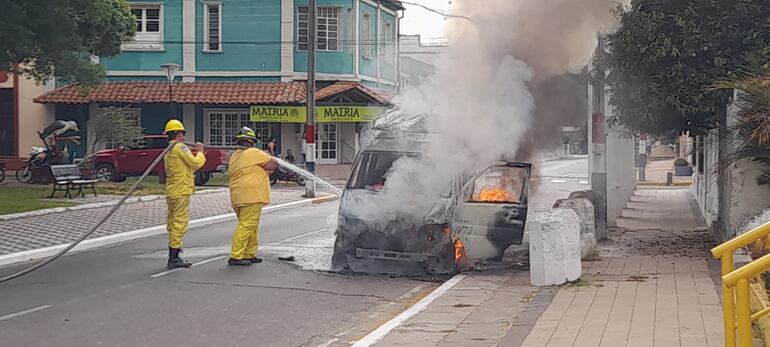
(249, 171)
(180, 164)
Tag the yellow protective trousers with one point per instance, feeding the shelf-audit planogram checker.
(246, 235)
(178, 217)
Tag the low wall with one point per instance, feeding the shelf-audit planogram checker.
(554, 247)
(586, 217)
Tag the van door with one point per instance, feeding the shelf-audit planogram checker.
(492, 209)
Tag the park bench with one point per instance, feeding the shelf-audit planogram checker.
(68, 178)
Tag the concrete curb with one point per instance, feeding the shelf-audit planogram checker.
(145, 198)
(34, 254)
(663, 184)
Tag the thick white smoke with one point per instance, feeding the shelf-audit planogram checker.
(480, 92)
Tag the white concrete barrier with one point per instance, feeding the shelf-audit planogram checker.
(585, 212)
(554, 247)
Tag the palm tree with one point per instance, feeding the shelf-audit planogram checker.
(750, 137)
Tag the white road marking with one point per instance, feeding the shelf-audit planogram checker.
(558, 181)
(303, 235)
(329, 343)
(378, 334)
(164, 273)
(21, 313)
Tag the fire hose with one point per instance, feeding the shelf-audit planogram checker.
(95, 227)
(131, 191)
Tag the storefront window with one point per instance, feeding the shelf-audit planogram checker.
(224, 125)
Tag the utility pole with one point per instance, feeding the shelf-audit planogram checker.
(597, 136)
(310, 129)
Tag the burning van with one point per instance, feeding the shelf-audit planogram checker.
(475, 218)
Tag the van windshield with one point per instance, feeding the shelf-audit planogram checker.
(372, 168)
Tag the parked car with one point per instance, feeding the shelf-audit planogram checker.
(117, 164)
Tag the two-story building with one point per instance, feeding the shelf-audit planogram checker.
(244, 63)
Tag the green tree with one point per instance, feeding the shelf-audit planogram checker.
(115, 126)
(45, 38)
(667, 53)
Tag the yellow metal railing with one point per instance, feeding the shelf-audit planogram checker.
(735, 285)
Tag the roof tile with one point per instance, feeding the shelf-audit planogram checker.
(223, 93)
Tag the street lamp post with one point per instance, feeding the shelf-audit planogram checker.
(171, 70)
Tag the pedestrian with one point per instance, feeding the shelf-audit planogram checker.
(289, 156)
(271, 146)
(180, 166)
(249, 171)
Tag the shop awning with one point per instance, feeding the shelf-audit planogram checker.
(213, 93)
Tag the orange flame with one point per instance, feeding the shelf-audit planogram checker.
(459, 250)
(494, 194)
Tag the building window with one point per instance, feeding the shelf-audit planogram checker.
(388, 50)
(366, 35)
(149, 28)
(328, 28)
(222, 126)
(213, 27)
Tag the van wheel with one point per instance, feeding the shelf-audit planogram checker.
(301, 181)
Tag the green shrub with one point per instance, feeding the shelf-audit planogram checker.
(681, 162)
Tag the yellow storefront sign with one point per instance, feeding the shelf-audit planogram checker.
(347, 114)
(279, 114)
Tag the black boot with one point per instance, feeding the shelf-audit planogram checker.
(255, 260)
(238, 262)
(174, 261)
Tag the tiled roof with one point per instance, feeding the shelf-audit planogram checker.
(222, 93)
(340, 87)
(228, 93)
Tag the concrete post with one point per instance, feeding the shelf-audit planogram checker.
(597, 137)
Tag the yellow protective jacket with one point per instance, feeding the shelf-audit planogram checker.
(249, 182)
(180, 166)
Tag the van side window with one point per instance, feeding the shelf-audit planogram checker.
(498, 184)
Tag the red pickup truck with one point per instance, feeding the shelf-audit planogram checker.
(117, 164)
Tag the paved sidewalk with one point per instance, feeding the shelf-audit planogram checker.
(652, 285)
(27, 233)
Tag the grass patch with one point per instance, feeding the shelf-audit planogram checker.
(16, 199)
(218, 180)
(150, 186)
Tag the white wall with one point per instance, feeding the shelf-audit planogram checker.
(33, 117)
(621, 174)
(347, 133)
(290, 140)
(746, 197)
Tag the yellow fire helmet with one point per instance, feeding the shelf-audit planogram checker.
(173, 125)
(246, 134)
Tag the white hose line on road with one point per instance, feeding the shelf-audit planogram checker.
(21, 313)
(34, 254)
(164, 273)
(378, 334)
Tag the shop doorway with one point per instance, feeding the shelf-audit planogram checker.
(327, 145)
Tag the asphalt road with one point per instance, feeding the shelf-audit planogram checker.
(108, 297)
(123, 295)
